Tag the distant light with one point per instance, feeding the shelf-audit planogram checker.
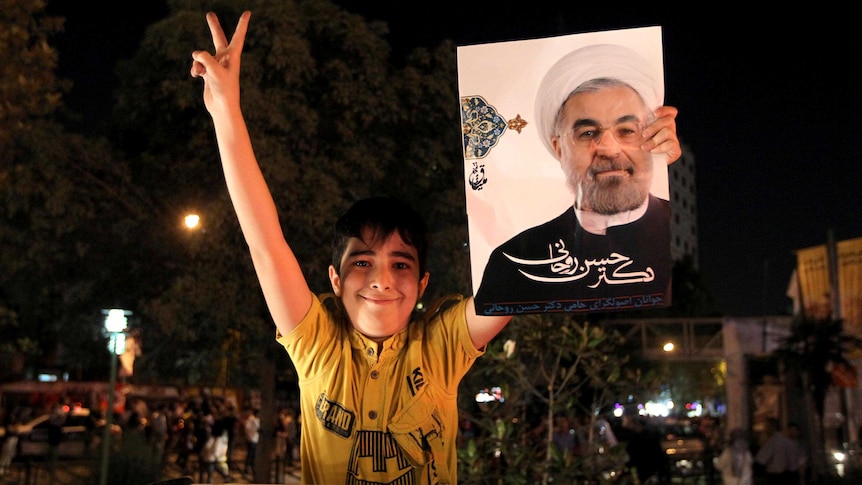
(118, 343)
(116, 320)
(668, 347)
(486, 395)
(509, 347)
(694, 409)
(655, 409)
(115, 323)
(47, 378)
(652, 408)
(192, 221)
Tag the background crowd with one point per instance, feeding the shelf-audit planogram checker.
(206, 437)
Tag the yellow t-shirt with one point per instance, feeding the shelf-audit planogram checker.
(378, 419)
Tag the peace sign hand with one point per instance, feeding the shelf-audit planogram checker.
(220, 72)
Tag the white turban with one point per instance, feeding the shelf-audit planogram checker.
(588, 63)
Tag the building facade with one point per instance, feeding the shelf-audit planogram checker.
(683, 207)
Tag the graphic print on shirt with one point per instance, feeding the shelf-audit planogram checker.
(335, 417)
(372, 453)
(415, 380)
(390, 457)
(376, 457)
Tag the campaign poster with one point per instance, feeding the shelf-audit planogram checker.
(565, 212)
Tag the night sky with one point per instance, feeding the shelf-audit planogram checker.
(769, 107)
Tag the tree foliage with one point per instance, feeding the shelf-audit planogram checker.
(61, 195)
(547, 366)
(29, 89)
(809, 354)
(813, 348)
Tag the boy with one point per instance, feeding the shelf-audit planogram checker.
(378, 395)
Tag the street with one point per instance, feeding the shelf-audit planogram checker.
(86, 472)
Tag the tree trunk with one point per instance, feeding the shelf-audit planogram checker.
(263, 460)
(816, 452)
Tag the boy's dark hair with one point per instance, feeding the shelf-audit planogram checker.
(383, 216)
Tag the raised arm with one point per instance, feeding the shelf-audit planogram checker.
(483, 327)
(284, 287)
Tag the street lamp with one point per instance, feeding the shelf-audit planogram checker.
(192, 221)
(115, 325)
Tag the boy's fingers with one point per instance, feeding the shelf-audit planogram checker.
(219, 39)
(238, 39)
(200, 60)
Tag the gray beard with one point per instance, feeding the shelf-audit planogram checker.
(612, 195)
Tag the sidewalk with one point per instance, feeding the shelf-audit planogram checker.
(86, 472)
(278, 472)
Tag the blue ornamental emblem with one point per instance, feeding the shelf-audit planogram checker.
(481, 127)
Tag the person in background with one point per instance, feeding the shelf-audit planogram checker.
(213, 454)
(564, 435)
(735, 462)
(780, 457)
(230, 422)
(252, 437)
(185, 435)
(157, 432)
(134, 460)
(9, 447)
(646, 456)
(290, 429)
(56, 421)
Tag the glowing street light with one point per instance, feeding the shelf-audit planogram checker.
(192, 221)
(115, 324)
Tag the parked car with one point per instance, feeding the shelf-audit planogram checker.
(685, 449)
(76, 431)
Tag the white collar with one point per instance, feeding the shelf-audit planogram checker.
(599, 223)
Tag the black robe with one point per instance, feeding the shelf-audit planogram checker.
(560, 267)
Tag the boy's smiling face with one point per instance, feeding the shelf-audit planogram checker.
(378, 283)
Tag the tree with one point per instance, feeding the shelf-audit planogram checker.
(809, 354)
(28, 92)
(64, 201)
(29, 89)
(547, 366)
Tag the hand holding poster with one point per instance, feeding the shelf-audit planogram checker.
(566, 210)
